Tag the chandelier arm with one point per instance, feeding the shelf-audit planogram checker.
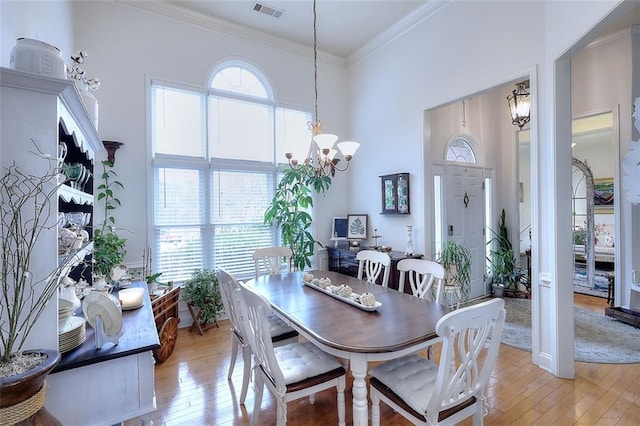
(334, 165)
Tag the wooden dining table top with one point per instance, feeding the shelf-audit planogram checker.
(402, 321)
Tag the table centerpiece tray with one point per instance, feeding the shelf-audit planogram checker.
(353, 299)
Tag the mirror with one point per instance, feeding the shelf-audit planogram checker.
(593, 203)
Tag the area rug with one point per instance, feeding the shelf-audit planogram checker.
(580, 285)
(598, 338)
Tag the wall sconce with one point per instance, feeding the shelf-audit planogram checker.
(112, 147)
(520, 104)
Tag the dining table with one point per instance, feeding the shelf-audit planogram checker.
(399, 324)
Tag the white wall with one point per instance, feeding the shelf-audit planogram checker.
(430, 65)
(127, 45)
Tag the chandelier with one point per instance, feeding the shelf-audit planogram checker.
(320, 160)
(520, 104)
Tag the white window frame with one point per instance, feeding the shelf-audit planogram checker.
(209, 163)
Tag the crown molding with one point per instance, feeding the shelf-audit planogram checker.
(231, 29)
(396, 30)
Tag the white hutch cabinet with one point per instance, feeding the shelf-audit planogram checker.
(89, 386)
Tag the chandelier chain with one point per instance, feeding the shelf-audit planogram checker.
(320, 161)
(315, 63)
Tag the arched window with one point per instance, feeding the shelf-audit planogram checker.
(216, 152)
(460, 149)
(240, 80)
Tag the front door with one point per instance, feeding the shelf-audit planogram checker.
(465, 218)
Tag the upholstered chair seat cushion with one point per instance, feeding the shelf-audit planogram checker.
(277, 327)
(299, 361)
(412, 378)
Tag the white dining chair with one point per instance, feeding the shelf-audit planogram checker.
(292, 371)
(281, 333)
(269, 260)
(371, 264)
(427, 393)
(425, 277)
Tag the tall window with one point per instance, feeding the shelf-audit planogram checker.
(215, 161)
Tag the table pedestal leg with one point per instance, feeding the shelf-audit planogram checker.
(360, 403)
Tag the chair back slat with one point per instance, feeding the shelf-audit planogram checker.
(371, 264)
(471, 341)
(269, 260)
(422, 275)
(230, 290)
(257, 308)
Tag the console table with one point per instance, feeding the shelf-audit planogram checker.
(109, 385)
(342, 259)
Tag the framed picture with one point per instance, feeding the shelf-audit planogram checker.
(603, 195)
(357, 226)
(395, 194)
(339, 229)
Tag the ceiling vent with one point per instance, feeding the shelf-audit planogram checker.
(268, 10)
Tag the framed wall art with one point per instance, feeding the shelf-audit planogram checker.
(357, 226)
(339, 229)
(603, 195)
(395, 194)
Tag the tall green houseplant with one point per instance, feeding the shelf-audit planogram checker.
(503, 265)
(108, 248)
(289, 210)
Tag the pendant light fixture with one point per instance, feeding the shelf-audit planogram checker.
(520, 104)
(320, 160)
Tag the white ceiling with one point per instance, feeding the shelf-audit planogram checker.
(344, 26)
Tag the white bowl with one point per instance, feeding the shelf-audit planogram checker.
(131, 298)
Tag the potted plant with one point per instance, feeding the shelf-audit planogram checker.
(456, 260)
(201, 292)
(108, 248)
(27, 212)
(289, 210)
(505, 274)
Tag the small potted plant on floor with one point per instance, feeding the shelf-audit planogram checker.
(202, 294)
(456, 260)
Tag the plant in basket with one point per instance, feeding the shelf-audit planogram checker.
(28, 212)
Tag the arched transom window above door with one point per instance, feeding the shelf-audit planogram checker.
(460, 149)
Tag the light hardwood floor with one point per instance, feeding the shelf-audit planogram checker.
(192, 389)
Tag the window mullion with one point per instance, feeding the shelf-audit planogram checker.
(209, 239)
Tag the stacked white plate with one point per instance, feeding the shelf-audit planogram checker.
(65, 309)
(72, 333)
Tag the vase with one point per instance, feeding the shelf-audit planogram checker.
(23, 395)
(37, 57)
(91, 103)
(409, 250)
(68, 292)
